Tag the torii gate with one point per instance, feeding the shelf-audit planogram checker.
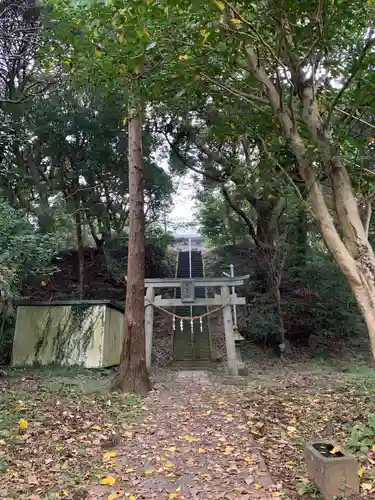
(224, 299)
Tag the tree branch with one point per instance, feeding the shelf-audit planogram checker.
(356, 67)
(242, 214)
(250, 98)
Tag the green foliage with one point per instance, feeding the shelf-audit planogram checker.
(158, 237)
(217, 221)
(7, 325)
(321, 304)
(22, 248)
(362, 437)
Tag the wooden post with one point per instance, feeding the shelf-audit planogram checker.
(229, 335)
(149, 324)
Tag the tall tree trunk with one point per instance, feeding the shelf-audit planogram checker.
(352, 252)
(132, 375)
(81, 254)
(354, 257)
(365, 300)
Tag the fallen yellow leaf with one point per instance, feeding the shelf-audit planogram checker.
(109, 481)
(291, 429)
(170, 475)
(130, 469)
(334, 450)
(228, 450)
(23, 424)
(96, 428)
(201, 451)
(169, 466)
(235, 20)
(172, 449)
(373, 447)
(110, 454)
(258, 486)
(149, 472)
(291, 462)
(182, 57)
(190, 438)
(132, 497)
(205, 414)
(276, 494)
(250, 460)
(361, 471)
(115, 494)
(175, 494)
(164, 458)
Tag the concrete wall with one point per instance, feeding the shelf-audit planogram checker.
(113, 337)
(63, 334)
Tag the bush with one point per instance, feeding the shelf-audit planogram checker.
(7, 325)
(362, 437)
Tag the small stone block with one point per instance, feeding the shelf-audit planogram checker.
(334, 474)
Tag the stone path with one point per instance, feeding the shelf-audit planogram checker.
(191, 442)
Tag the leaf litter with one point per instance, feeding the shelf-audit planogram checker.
(184, 440)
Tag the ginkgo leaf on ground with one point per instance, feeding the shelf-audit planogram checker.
(23, 424)
(108, 481)
(116, 494)
(205, 414)
(191, 438)
(175, 494)
(202, 451)
(228, 450)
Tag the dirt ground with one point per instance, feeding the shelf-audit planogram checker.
(196, 436)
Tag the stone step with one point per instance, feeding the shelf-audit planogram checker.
(194, 365)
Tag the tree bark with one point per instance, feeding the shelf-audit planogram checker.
(352, 252)
(365, 300)
(132, 375)
(80, 250)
